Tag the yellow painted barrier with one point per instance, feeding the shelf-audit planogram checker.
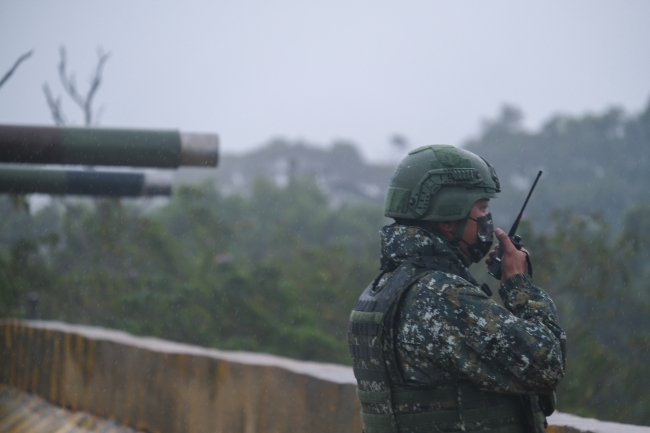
(161, 386)
(24, 413)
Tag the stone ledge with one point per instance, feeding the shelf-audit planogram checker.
(159, 385)
(22, 412)
(564, 423)
(330, 372)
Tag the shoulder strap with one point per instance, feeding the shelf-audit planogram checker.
(374, 316)
(368, 328)
(423, 266)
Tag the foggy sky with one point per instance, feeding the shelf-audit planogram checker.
(326, 70)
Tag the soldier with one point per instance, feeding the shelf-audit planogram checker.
(432, 351)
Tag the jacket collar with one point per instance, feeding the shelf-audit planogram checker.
(400, 243)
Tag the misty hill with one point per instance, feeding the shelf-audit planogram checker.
(276, 265)
(594, 164)
(339, 170)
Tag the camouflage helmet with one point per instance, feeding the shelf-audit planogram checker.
(439, 183)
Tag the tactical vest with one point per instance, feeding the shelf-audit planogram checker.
(389, 405)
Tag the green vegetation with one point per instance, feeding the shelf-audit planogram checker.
(278, 269)
(597, 163)
(599, 282)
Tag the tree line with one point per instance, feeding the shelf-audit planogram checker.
(279, 270)
(278, 267)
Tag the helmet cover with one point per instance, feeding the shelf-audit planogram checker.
(439, 183)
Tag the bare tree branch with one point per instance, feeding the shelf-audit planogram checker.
(15, 66)
(96, 81)
(70, 86)
(55, 106)
(69, 83)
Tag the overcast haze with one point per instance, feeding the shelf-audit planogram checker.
(326, 70)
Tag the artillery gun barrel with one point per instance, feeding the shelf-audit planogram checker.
(109, 147)
(81, 182)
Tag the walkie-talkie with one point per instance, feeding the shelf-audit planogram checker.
(495, 268)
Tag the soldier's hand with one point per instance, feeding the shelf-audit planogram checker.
(513, 261)
(490, 258)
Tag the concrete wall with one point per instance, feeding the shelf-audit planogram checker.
(21, 412)
(161, 386)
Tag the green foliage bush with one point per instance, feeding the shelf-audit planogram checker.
(276, 271)
(596, 162)
(599, 282)
(279, 270)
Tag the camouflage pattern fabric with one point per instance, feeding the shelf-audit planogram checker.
(449, 331)
(433, 353)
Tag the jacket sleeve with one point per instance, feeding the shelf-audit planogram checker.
(450, 325)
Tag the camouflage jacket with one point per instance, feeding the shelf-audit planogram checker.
(449, 331)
